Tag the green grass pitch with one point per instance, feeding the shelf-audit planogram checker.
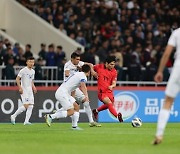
(111, 138)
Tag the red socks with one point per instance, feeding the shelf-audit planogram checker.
(112, 109)
(102, 107)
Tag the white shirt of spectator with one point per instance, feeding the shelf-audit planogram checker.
(174, 40)
(72, 68)
(73, 82)
(27, 76)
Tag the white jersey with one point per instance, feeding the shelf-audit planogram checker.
(27, 76)
(73, 82)
(72, 68)
(174, 40)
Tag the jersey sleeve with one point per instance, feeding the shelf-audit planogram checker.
(96, 67)
(114, 76)
(81, 63)
(83, 79)
(172, 39)
(20, 74)
(66, 67)
(33, 75)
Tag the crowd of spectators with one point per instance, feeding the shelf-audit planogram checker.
(14, 55)
(136, 31)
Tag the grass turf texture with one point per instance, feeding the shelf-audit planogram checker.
(111, 138)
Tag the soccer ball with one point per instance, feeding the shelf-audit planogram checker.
(136, 122)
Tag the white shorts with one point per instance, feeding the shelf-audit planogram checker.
(65, 99)
(79, 96)
(27, 97)
(173, 85)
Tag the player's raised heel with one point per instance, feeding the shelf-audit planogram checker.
(12, 120)
(120, 117)
(48, 120)
(95, 113)
(157, 140)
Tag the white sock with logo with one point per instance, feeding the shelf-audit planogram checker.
(88, 111)
(162, 121)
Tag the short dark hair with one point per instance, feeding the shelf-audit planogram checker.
(74, 55)
(110, 59)
(86, 68)
(28, 45)
(30, 58)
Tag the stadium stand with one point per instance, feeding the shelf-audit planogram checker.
(129, 29)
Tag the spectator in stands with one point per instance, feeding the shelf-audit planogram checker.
(9, 54)
(51, 55)
(16, 48)
(60, 55)
(43, 53)
(62, 29)
(20, 58)
(39, 71)
(9, 69)
(90, 56)
(28, 52)
(134, 70)
(151, 70)
(80, 39)
(61, 69)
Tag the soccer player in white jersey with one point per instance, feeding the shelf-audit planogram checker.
(71, 67)
(173, 86)
(64, 96)
(26, 87)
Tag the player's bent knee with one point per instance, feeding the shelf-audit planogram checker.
(168, 102)
(70, 112)
(76, 107)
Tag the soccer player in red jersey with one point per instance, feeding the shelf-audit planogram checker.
(107, 76)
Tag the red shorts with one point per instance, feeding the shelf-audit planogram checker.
(110, 95)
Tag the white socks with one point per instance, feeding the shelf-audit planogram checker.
(162, 121)
(19, 111)
(28, 113)
(75, 119)
(88, 111)
(59, 114)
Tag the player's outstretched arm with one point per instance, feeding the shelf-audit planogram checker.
(92, 69)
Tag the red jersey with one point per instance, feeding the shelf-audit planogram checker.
(105, 77)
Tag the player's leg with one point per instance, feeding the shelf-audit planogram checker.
(163, 119)
(108, 99)
(18, 111)
(75, 117)
(171, 92)
(80, 98)
(64, 100)
(100, 108)
(29, 106)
